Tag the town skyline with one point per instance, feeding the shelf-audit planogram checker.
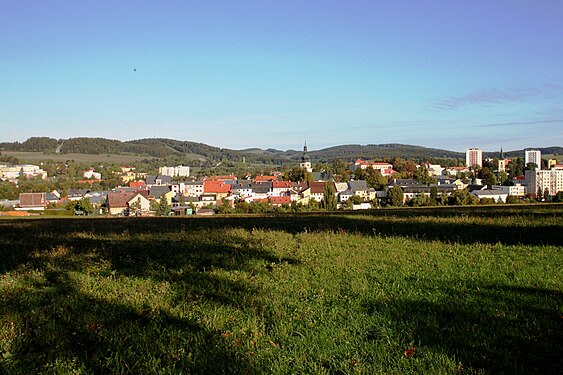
(436, 74)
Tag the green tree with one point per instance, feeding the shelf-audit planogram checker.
(83, 205)
(329, 202)
(355, 199)
(375, 179)
(463, 197)
(511, 199)
(487, 176)
(163, 209)
(421, 176)
(338, 166)
(434, 194)
(395, 196)
(297, 174)
(360, 174)
(516, 168)
(531, 166)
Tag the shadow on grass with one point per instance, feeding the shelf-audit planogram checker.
(497, 329)
(53, 324)
(48, 233)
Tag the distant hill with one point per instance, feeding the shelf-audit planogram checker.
(162, 147)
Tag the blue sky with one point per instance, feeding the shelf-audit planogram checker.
(238, 74)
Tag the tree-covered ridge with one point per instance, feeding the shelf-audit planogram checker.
(162, 147)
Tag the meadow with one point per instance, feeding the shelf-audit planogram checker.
(36, 157)
(472, 290)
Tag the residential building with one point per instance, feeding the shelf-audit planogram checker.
(220, 189)
(89, 173)
(473, 156)
(277, 201)
(412, 189)
(177, 171)
(178, 188)
(317, 189)
(15, 171)
(532, 156)
(281, 188)
(123, 203)
(362, 190)
(517, 190)
(434, 169)
(156, 193)
(385, 169)
(552, 163)
(158, 180)
(242, 188)
(193, 189)
(262, 190)
(455, 171)
(544, 181)
(33, 201)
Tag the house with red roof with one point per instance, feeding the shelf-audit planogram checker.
(219, 188)
(281, 188)
(278, 201)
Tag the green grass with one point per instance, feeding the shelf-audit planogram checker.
(26, 156)
(474, 292)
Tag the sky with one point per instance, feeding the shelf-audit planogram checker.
(274, 74)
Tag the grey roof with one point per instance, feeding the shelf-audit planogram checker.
(346, 192)
(322, 176)
(262, 187)
(404, 182)
(151, 180)
(358, 185)
(157, 191)
(242, 184)
(485, 193)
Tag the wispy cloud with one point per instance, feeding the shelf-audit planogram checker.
(518, 123)
(496, 96)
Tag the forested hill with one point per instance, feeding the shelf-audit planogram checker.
(384, 151)
(161, 147)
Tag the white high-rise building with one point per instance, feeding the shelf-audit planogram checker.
(532, 156)
(180, 170)
(544, 181)
(473, 156)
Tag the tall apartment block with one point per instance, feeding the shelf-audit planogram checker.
(473, 156)
(532, 156)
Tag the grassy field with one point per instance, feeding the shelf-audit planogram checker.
(32, 157)
(393, 292)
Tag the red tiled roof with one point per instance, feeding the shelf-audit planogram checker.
(221, 178)
(265, 178)
(215, 187)
(276, 201)
(140, 184)
(317, 187)
(282, 184)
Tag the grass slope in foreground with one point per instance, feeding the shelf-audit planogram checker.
(283, 295)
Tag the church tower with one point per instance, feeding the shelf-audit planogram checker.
(305, 160)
